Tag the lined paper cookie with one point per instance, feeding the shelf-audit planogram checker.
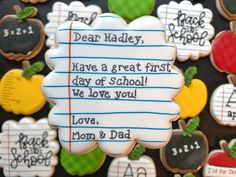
(188, 26)
(28, 148)
(75, 11)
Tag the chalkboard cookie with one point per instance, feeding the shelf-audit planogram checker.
(187, 150)
(20, 90)
(193, 97)
(33, 1)
(227, 8)
(113, 84)
(85, 164)
(223, 55)
(131, 9)
(188, 26)
(28, 148)
(21, 36)
(75, 11)
(223, 104)
(222, 163)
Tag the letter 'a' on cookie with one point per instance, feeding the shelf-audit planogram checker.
(227, 8)
(131, 9)
(222, 162)
(22, 36)
(188, 26)
(223, 54)
(28, 148)
(75, 11)
(34, 1)
(223, 104)
(113, 84)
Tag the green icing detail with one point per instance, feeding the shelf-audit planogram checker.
(137, 152)
(131, 9)
(192, 125)
(27, 12)
(189, 75)
(33, 69)
(81, 165)
(232, 151)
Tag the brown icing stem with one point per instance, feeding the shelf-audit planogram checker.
(233, 26)
(225, 146)
(232, 79)
(182, 124)
(25, 64)
(17, 8)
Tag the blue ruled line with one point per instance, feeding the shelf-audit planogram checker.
(112, 30)
(114, 141)
(111, 99)
(107, 127)
(107, 73)
(110, 113)
(136, 87)
(110, 58)
(114, 45)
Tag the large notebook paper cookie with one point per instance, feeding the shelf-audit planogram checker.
(113, 85)
(28, 148)
(75, 11)
(188, 26)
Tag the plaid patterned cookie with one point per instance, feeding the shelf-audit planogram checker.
(131, 9)
(82, 164)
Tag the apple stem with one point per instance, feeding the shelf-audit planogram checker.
(233, 26)
(182, 124)
(137, 152)
(225, 146)
(189, 74)
(192, 125)
(17, 8)
(25, 64)
(232, 79)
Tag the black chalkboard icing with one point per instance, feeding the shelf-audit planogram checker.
(19, 37)
(183, 154)
(230, 5)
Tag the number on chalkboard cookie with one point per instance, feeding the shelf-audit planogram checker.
(21, 36)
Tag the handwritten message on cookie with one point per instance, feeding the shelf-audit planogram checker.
(28, 148)
(113, 84)
(188, 26)
(223, 105)
(75, 11)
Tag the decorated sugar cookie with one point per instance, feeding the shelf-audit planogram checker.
(20, 90)
(188, 26)
(28, 148)
(113, 85)
(81, 165)
(222, 163)
(187, 150)
(133, 166)
(21, 36)
(223, 55)
(227, 8)
(193, 97)
(75, 11)
(131, 10)
(223, 103)
(33, 1)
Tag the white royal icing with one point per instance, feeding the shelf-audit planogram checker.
(75, 11)
(123, 166)
(188, 26)
(28, 148)
(223, 105)
(95, 103)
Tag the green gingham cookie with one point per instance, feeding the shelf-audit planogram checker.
(131, 9)
(81, 165)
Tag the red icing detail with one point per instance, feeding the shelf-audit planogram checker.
(224, 52)
(221, 159)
